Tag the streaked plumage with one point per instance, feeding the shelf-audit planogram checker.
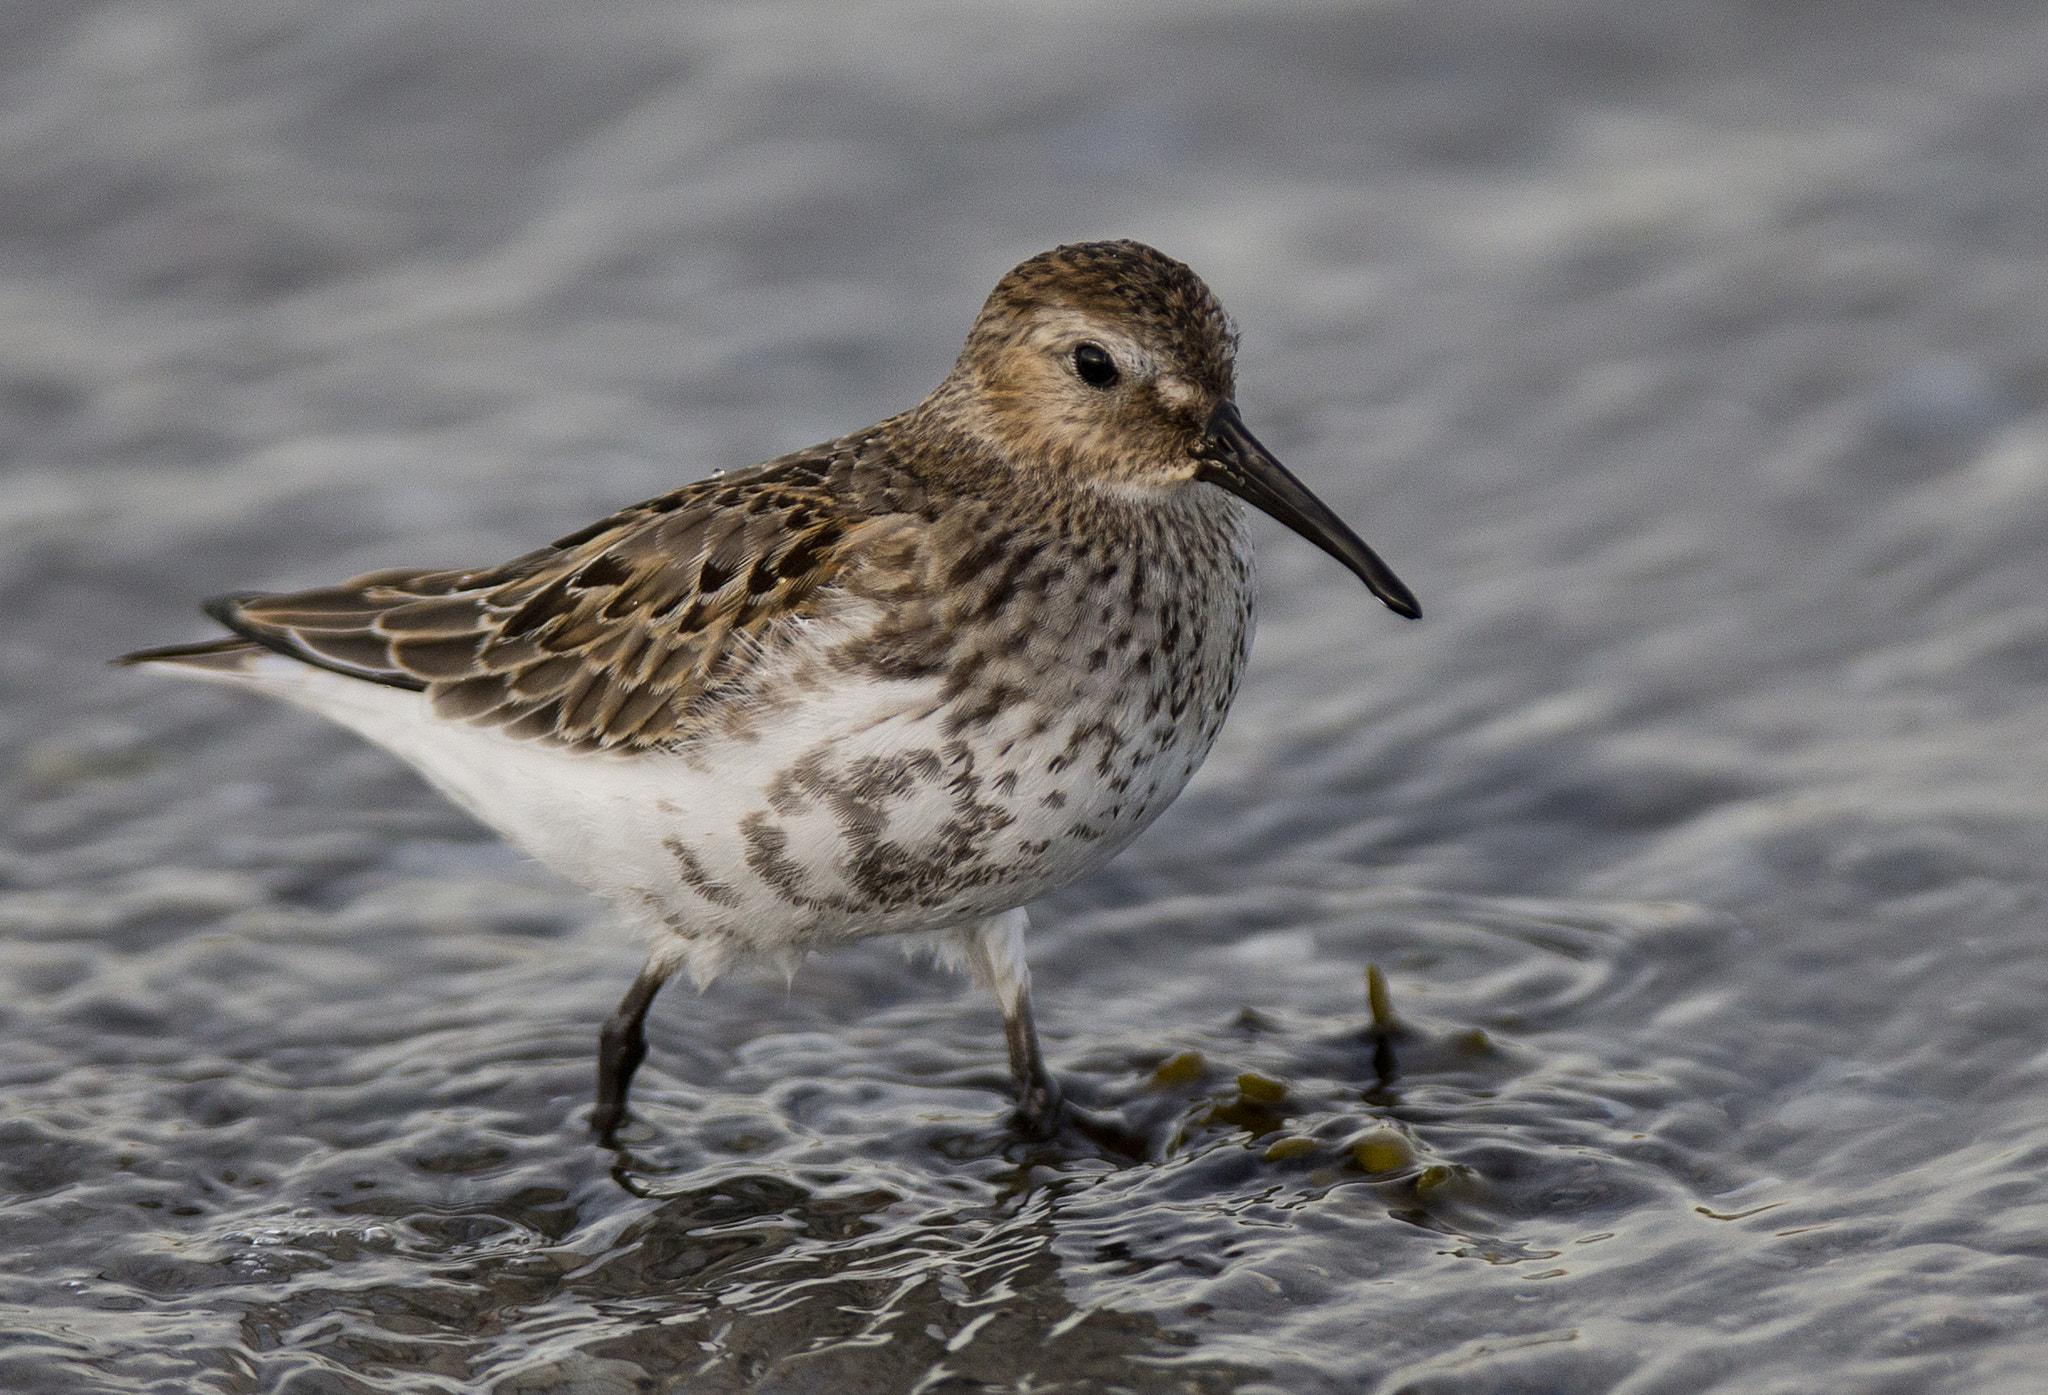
(902, 682)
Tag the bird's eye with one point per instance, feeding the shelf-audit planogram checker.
(1096, 367)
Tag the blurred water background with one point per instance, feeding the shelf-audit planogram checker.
(1691, 362)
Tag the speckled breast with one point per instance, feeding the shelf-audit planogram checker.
(1062, 722)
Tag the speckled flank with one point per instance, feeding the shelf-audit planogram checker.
(691, 871)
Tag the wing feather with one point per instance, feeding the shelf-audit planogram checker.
(618, 635)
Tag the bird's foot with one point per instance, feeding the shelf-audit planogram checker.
(1044, 1117)
(1040, 1111)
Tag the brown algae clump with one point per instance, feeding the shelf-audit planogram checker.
(1181, 1068)
(1261, 1089)
(1382, 1150)
(1254, 1109)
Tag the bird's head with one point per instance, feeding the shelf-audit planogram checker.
(1113, 367)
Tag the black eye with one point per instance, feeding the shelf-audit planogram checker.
(1096, 367)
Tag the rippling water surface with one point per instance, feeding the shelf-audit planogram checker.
(1690, 360)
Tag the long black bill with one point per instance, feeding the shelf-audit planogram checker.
(1233, 459)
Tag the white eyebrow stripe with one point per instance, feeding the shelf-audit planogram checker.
(1054, 327)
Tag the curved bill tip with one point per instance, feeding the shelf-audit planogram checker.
(1233, 459)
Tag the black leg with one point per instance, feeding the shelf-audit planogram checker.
(621, 1047)
(1038, 1094)
(993, 951)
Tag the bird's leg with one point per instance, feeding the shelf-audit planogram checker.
(994, 950)
(621, 1047)
(1038, 1094)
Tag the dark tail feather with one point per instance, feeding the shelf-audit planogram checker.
(221, 608)
(283, 640)
(229, 645)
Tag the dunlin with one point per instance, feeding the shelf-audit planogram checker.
(901, 683)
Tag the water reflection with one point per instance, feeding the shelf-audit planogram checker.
(757, 1281)
(766, 1270)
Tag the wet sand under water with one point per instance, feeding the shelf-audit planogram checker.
(1690, 361)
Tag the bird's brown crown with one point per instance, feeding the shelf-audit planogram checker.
(1097, 361)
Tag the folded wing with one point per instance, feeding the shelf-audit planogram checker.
(611, 639)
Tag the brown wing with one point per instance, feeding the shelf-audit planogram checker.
(613, 636)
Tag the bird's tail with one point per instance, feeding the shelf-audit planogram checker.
(214, 656)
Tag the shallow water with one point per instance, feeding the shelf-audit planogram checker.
(1690, 361)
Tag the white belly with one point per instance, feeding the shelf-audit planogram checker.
(848, 815)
